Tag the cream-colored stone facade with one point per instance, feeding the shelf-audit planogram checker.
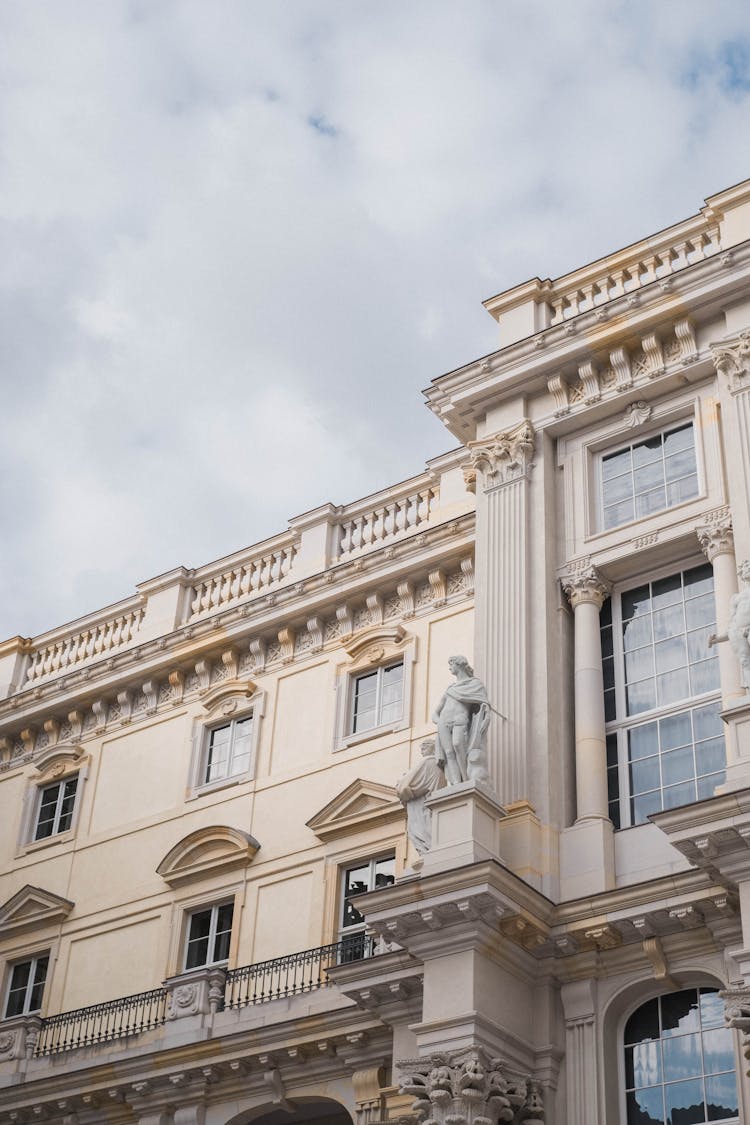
(188, 778)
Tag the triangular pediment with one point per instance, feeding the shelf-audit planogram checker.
(32, 908)
(361, 805)
(207, 851)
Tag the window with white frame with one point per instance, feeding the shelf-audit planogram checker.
(648, 476)
(209, 932)
(55, 808)
(26, 986)
(679, 1061)
(227, 750)
(369, 875)
(665, 740)
(377, 697)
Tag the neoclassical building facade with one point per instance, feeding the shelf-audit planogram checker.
(211, 910)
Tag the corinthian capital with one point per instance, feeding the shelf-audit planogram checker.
(732, 359)
(717, 537)
(469, 1085)
(504, 456)
(586, 587)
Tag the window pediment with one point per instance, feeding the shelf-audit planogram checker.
(207, 851)
(362, 804)
(227, 697)
(58, 761)
(375, 644)
(32, 908)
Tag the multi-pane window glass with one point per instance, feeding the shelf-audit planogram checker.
(228, 750)
(368, 876)
(665, 741)
(377, 697)
(209, 933)
(649, 476)
(679, 1061)
(26, 986)
(56, 803)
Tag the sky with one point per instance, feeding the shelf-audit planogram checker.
(239, 237)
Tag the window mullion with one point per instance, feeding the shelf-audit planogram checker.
(212, 926)
(29, 985)
(58, 808)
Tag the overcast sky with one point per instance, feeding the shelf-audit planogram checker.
(237, 239)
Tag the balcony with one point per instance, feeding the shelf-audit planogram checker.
(195, 994)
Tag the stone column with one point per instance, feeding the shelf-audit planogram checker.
(501, 466)
(586, 592)
(717, 542)
(732, 362)
(587, 849)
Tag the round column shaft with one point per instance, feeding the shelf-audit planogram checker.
(717, 542)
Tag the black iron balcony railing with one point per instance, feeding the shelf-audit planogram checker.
(100, 1023)
(250, 984)
(295, 973)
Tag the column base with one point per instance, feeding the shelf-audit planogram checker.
(465, 826)
(587, 858)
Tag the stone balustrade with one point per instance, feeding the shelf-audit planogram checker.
(314, 544)
(70, 650)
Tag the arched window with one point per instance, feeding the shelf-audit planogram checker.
(679, 1061)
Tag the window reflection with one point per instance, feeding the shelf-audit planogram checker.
(679, 1061)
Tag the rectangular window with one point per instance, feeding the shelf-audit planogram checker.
(228, 750)
(56, 803)
(648, 476)
(665, 740)
(377, 697)
(208, 936)
(367, 876)
(26, 986)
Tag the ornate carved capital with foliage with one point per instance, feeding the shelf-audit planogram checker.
(732, 360)
(469, 1087)
(717, 537)
(586, 586)
(504, 457)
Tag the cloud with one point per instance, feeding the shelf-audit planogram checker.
(239, 238)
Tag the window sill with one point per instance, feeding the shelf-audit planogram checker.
(654, 521)
(47, 842)
(350, 740)
(217, 786)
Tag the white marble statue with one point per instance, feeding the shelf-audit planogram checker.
(462, 717)
(413, 789)
(739, 625)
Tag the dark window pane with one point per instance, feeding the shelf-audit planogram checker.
(648, 452)
(721, 1097)
(644, 775)
(644, 1023)
(680, 1012)
(610, 706)
(225, 915)
(613, 784)
(645, 1107)
(681, 438)
(636, 602)
(643, 740)
(616, 464)
(643, 807)
(605, 613)
(699, 580)
(637, 632)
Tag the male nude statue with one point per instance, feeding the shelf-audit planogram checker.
(462, 717)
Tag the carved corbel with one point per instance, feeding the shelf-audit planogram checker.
(230, 660)
(654, 355)
(6, 748)
(467, 569)
(620, 361)
(560, 390)
(405, 591)
(286, 640)
(125, 701)
(345, 620)
(52, 730)
(732, 359)
(654, 951)
(375, 609)
(315, 629)
(438, 586)
(275, 1086)
(589, 376)
(685, 334)
(177, 683)
(151, 690)
(203, 672)
(258, 654)
(716, 538)
(75, 718)
(99, 709)
(28, 739)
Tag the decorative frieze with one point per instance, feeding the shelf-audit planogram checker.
(504, 457)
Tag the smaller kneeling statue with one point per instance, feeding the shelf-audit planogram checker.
(413, 789)
(462, 717)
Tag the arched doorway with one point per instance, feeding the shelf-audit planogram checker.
(306, 1111)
